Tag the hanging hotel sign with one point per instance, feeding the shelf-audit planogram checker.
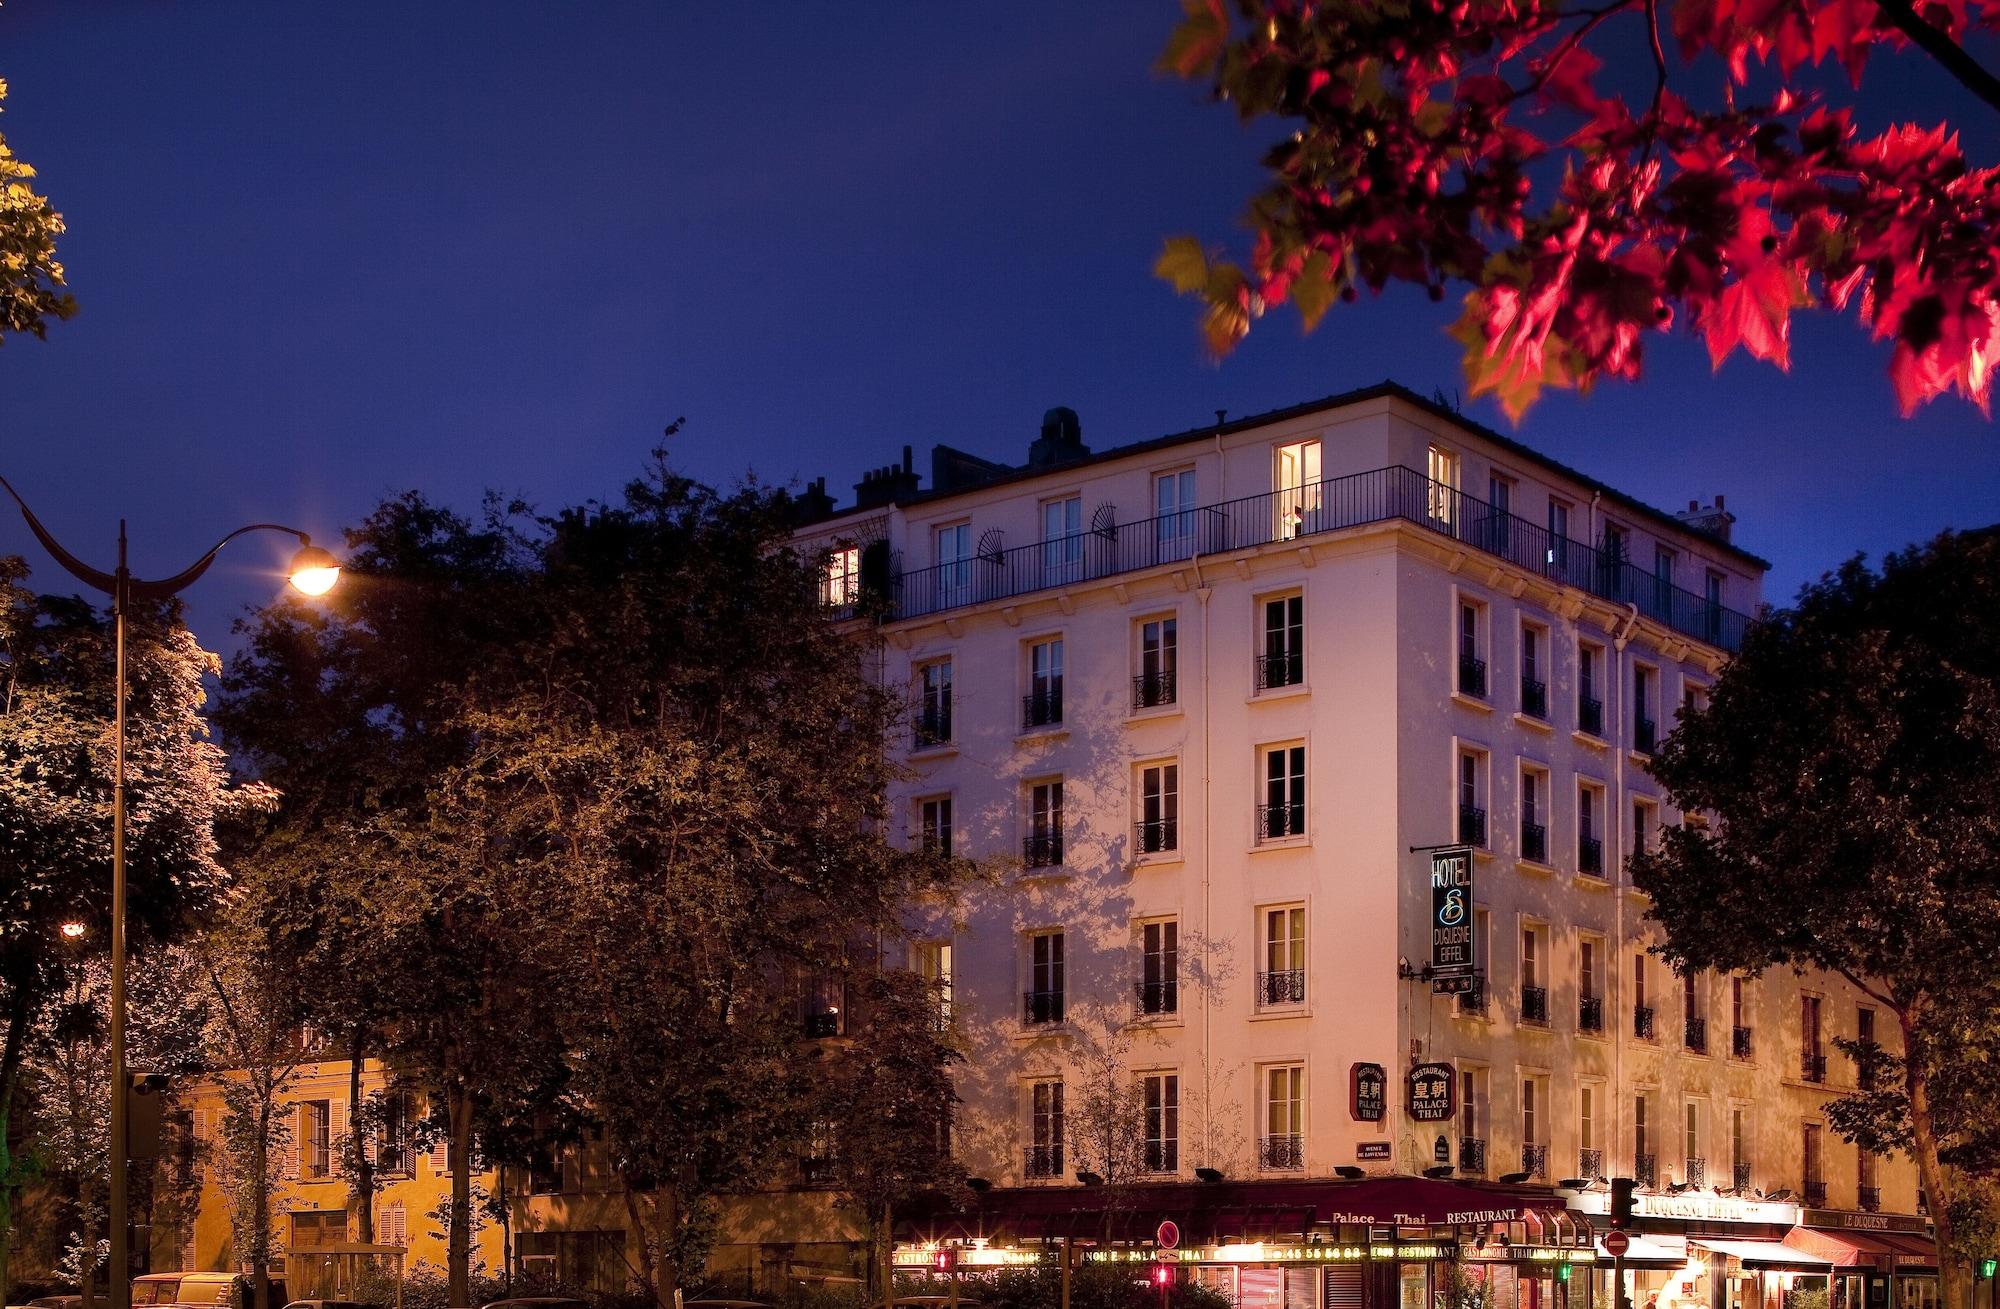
(1367, 1092)
(1428, 1092)
(1451, 912)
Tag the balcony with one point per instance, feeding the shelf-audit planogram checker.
(1285, 987)
(1590, 856)
(1534, 698)
(1472, 1000)
(1472, 1156)
(1158, 997)
(933, 727)
(1815, 1193)
(1644, 735)
(1332, 505)
(1042, 849)
(1041, 1008)
(1694, 1171)
(1590, 716)
(1277, 822)
(1642, 1022)
(1535, 1005)
(1161, 1157)
(1740, 1175)
(1740, 1045)
(1590, 1016)
(1472, 676)
(1644, 1170)
(1151, 690)
(1535, 1161)
(1041, 709)
(1694, 1035)
(1589, 1162)
(1284, 1153)
(1869, 1198)
(1043, 1161)
(1157, 837)
(1284, 668)
(1471, 825)
(1812, 1067)
(818, 1022)
(1534, 842)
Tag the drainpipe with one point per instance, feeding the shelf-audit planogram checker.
(1614, 828)
(1202, 593)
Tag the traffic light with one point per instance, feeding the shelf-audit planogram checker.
(1163, 1275)
(945, 1259)
(1621, 1202)
(1562, 1272)
(1987, 1267)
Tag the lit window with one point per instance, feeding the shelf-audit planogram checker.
(842, 584)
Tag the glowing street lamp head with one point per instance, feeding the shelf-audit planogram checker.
(313, 570)
(73, 931)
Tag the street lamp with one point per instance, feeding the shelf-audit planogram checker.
(313, 571)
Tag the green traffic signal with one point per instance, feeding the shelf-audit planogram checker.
(1987, 1267)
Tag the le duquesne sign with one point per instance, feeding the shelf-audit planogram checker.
(1451, 913)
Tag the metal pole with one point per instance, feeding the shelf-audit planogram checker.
(121, 1267)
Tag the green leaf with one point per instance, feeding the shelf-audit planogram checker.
(1183, 263)
(1314, 290)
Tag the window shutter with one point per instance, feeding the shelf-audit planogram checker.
(371, 1142)
(441, 1157)
(292, 1146)
(337, 1143)
(397, 1225)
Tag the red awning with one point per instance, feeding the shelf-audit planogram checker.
(1879, 1250)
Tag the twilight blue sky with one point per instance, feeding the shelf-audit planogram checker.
(326, 252)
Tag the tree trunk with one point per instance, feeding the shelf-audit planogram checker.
(18, 1014)
(260, 1204)
(643, 1230)
(458, 1253)
(667, 1271)
(1954, 1276)
(881, 1255)
(361, 1194)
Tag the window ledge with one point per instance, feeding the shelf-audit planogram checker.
(1156, 1020)
(1048, 732)
(1639, 757)
(1039, 1031)
(1591, 880)
(1471, 702)
(1600, 1035)
(1279, 1012)
(1483, 854)
(1535, 866)
(1282, 843)
(1533, 723)
(942, 750)
(1053, 873)
(1291, 692)
(1158, 858)
(1591, 739)
(1154, 711)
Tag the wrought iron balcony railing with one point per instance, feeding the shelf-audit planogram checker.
(1041, 709)
(1535, 1161)
(1590, 1016)
(1869, 1198)
(1740, 1044)
(1472, 1000)
(1472, 676)
(1472, 1156)
(1812, 1067)
(1590, 856)
(1151, 690)
(1644, 1170)
(1043, 1161)
(1161, 1157)
(1642, 1022)
(1644, 735)
(1695, 1035)
(1159, 997)
(1534, 842)
(1590, 716)
(932, 727)
(1471, 825)
(1535, 1004)
(819, 1022)
(1276, 822)
(1740, 1175)
(1040, 1007)
(1534, 698)
(1284, 1152)
(1338, 503)
(1284, 668)
(1694, 1171)
(1042, 849)
(1158, 836)
(1815, 1193)
(1283, 987)
(1589, 1162)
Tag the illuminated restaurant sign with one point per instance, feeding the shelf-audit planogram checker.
(1697, 1205)
(1256, 1252)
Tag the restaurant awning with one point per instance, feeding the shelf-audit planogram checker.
(1762, 1254)
(1879, 1250)
(1648, 1250)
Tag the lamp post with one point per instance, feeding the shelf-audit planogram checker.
(313, 571)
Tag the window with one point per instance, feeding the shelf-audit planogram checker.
(1062, 540)
(1694, 697)
(1589, 840)
(1868, 1189)
(1498, 534)
(1045, 1129)
(822, 1005)
(394, 1111)
(1643, 728)
(1739, 1146)
(1442, 467)
(1297, 477)
(1473, 1108)
(316, 1140)
(953, 545)
(1589, 701)
(1643, 1164)
(1471, 798)
(1694, 1022)
(1159, 808)
(1283, 981)
(1645, 816)
(1711, 595)
(1589, 987)
(1159, 658)
(1283, 813)
(1642, 1006)
(1284, 1117)
(1471, 666)
(1162, 1095)
(318, 1229)
(840, 585)
(934, 825)
(1813, 1165)
(933, 703)
(1283, 662)
(1694, 1160)
(1813, 1067)
(1557, 559)
(1534, 822)
(1173, 503)
(1160, 967)
(1739, 1021)
(1043, 705)
(1045, 978)
(1472, 1003)
(1663, 580)
(1043, 846)
(1864, 1058)
(1534, 1127)
(1534, 690)
(1534, 986)
(1589, 1154)
(931, 960)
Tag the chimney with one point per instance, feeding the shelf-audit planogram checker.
(1061, 439)
(1710, 520)
(814, 502)
(885, 485)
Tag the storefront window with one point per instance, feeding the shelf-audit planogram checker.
(1416, 1286)
(1916, 1293)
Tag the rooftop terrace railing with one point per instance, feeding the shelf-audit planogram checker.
(1291, 513)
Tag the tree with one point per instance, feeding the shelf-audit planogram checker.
(1490, 142)
(31, 280)
(1849, 767)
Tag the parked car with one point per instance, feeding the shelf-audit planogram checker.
(724, 1304)
(538, 1302)
(199, 1291)
(326, 1304)
(928, 1302)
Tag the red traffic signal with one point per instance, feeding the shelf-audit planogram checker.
(1163, 1275)
(945, 1259)
(1621, 1202)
